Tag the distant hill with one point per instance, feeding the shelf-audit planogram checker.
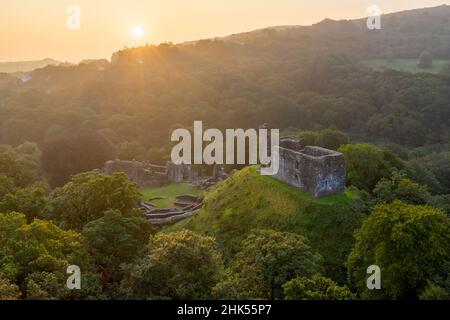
(26, 66)
(247, 201)
(404, 34)
(294, 78)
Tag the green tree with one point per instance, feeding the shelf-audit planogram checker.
(367, 164)
(316, 288)
(31, 201)
(29, 151)
(425, 60)
(438, 288)
(266, 261)
(8, 290)
(440, 201)
(40, 248)
(419, 172)
(332, 139)
(234, 286)
(114, 240)
(408, 242)
(308, 138)
(88, 196)
(22, 172)
(435, 292)
(179, 265)
(401, 188)
(6, 185)
(439, 165)
(131, 150)
(66, 156)
(42, 285)
(158, 155)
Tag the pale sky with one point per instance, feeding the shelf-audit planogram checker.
(36, 29)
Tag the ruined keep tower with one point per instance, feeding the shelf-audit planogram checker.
(316, 170)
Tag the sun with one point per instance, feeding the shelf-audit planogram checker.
(137, 31)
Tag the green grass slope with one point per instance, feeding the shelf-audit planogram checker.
(249, 201)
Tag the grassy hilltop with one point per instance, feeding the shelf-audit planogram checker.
(249, 201)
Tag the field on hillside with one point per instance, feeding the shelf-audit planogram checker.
(168, 192)
(408, 65)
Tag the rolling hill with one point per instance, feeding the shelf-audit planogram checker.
(26, 66)
(297, 78)
(247, 201)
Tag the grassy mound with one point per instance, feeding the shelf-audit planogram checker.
(249, 201)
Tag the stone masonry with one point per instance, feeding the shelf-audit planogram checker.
(316, 170)
(147, 174)
(184, 172)
(142, 173)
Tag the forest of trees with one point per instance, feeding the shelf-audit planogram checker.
(93, 222)
(393, 128)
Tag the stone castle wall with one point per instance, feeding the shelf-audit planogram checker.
(184, 172)
(142, 173)
(316, 170)
(147, 174)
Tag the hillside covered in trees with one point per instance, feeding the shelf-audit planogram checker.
(306, 78)
(255, 237)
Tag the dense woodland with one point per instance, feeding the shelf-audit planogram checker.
(393, 127)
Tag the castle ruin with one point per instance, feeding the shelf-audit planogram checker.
(316, 170)
(147, 174)
(142, 173)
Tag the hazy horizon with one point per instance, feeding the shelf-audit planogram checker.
(35, 31)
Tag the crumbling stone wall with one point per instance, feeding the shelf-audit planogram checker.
(142, 173)
(184, 172)
(147, 174)
(290, 142)
(316, 170)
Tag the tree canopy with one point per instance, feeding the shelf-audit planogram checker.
(114, 240)
(316, 288)
(266, 261)
(179, 265)
(88, 195)
(408, 242)
(35, 257)
(65, 156)
(367, 164)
